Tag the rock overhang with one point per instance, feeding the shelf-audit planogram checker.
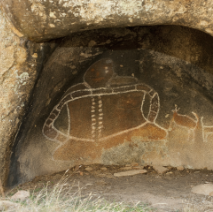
(44, 20)
(72, 121)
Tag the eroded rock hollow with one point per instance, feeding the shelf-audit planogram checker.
(99, 94)
(120, 96)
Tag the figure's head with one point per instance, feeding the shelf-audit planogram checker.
(175, 111)
(99, 73)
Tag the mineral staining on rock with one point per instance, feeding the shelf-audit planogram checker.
(17, 77)
(106, 112)
(104, 116)
(40, 20)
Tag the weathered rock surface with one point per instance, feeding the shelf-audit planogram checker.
(180, 168)
(205, 189)
(144, 94)
(173, 61)
(19, 65)
(160, 169)
(42, 20)
(20, 195)
(129, 173)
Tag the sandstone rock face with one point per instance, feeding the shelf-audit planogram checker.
(16, 78)
(205, 189)
(42, 20)
(120, 96)
(20, 64)
(113, 96)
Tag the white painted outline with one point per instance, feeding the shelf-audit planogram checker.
(150, 107)
(111, 136)
(97, 92)
(91, 90)
(67, 91)
(100, 114)
(206, 134)
(93, 117)
(191, 131)
(68, 114)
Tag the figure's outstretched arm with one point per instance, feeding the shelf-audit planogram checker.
(49, 130)
(154, 101)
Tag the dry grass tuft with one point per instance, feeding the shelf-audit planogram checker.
(196, 205)
(62, 198)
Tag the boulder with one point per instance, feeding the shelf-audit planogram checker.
(150, 103)
(39, 20)
(205, 189)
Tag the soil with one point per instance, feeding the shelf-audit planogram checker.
(170, 191)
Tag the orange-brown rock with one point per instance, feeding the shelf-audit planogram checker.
(76, 149)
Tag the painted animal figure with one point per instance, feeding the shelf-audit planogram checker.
(185, 121)
(208, 132)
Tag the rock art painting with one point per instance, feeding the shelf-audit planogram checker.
(104, 111)
(185, 121)
(208, 133)
(192, 125)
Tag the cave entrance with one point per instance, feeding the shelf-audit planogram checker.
(121, 96)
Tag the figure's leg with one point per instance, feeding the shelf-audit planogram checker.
(146, 132)
(150, 131)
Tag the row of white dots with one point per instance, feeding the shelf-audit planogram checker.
(93, 119)
(100, 117)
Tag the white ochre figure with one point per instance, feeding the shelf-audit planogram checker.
(102, 112)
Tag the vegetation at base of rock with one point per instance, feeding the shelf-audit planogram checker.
(61, 197)
(64, 198)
